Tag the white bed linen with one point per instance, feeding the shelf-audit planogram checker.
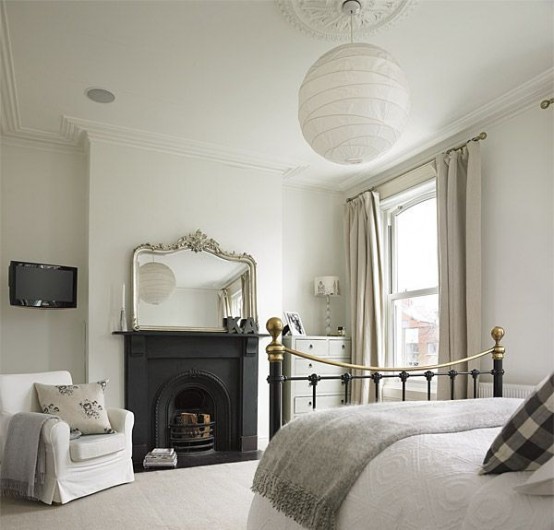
(429, 482)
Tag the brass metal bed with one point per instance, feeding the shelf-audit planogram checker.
(276, 350)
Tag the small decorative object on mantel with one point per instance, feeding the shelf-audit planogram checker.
(231, 324)
(243, 326)
(123, 313)
(248, 325)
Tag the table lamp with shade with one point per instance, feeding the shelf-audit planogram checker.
(327, 286)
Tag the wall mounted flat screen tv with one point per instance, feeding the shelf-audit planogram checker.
(43, 286)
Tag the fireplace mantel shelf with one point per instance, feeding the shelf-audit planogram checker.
(168, 333)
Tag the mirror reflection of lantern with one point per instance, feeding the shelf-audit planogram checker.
(157, 283)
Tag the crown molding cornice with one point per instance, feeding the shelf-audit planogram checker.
(41, 145)
(502, 108)
(74, 130)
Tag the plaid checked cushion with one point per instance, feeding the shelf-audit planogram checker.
(527, 440)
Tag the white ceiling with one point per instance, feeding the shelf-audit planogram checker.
(220, 79)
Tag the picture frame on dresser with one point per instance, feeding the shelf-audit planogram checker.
(294, 323)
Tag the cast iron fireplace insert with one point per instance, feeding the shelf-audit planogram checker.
(168, 373)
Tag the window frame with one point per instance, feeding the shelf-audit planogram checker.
(391, 208)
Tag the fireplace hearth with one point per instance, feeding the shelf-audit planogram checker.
(194, 391)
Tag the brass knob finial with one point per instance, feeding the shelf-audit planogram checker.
(275, 349)
(497, 333)
(275, 327)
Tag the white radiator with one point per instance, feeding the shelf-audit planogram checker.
(484, 390)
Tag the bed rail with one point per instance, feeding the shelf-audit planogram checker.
(276, 350)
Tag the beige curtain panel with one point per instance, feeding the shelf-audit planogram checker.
(224, 308)
(365, 268)
(459, 233)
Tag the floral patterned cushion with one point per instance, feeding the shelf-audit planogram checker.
(81, 406)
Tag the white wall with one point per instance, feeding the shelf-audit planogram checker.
(42, 202)
(313, 245)
(518, 241)
(138, 196)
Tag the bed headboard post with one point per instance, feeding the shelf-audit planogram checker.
(497, 333)
(275, 354)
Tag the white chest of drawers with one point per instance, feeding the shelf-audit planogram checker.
(298, 395)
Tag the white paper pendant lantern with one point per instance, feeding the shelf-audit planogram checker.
(157, 283)
(353, 104)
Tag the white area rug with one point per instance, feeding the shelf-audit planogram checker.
(214, 497)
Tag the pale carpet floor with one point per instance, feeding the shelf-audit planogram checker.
(214, 497)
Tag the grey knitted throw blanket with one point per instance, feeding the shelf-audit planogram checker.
(311, 463)
(23, 466)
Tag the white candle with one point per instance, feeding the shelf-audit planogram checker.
(123, 297)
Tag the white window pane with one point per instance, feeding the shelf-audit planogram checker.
(236, 304)
(416, 330)
(411, 335)
(416, 247)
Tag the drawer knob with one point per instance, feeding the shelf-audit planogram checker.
(343, 346)
(310, 403)
(310, 365)
(342, 401)
(311, 346)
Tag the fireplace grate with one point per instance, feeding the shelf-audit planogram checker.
(192, 437)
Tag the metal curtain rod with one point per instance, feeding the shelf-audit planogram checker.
(545, 103)
(358, 194)
(480, 136)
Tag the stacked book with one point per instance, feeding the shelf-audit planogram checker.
(160, 457)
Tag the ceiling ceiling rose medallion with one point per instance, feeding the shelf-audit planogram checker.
(324, 19)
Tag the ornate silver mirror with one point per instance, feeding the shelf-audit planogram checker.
(191, 285)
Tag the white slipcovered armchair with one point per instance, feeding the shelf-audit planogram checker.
(73, 468)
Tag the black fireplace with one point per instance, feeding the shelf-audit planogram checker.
(194, 391)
